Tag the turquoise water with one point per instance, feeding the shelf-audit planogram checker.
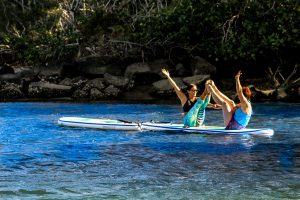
(40, 160)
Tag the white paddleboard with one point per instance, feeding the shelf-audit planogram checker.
(110, 124)
(105, 124)
(204, 129)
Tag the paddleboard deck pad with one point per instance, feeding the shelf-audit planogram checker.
(111, 124)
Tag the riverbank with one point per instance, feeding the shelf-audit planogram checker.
(89, 81)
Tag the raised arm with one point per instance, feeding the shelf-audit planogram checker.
(178, 91)
(244, 102)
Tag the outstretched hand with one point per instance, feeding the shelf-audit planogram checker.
(208, 82)
(237, 76)
(165, 72)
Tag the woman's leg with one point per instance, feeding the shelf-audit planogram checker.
(223, 96)
(227, 107)
(191, 118)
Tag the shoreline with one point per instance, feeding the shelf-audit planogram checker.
(113, 101)
(118, 101)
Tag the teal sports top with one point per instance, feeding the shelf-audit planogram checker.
(241, 117)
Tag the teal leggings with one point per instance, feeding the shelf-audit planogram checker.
(197, 112)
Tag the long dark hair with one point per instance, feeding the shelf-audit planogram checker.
(188, 88)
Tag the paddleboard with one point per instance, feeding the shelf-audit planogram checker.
(111, 124)
(204, 129)
(105, 124)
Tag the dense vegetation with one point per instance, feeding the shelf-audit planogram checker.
(251, 34)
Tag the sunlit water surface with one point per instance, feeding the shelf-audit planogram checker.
(41, 160)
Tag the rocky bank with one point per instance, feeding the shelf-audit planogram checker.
(91, 79)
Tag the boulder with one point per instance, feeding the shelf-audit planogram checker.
(157, 65)
(95, 66)
(80, 94)
(111, 91)
(96, 94)
(118, 81)
(24, 71)
(51, 69)
(98, 83)
(77, 82)
(21, 73)
(201, 66)
(11, 78)
(181, 70)
(48, 90)
(135, 68)
(197, 79)
(142, 74)
(11, 91)
(6, 69)
(164, 88)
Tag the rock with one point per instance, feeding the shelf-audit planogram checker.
(201, 66)
(142, 74)
(181, 70)
(95, 66)
(111, 91)
(20, 74)
(6, 69)
(98, 83)
(27, 74)
(48, 90)
(87, 87)
(80, 94)
(11, 78)
(197, 79)
(50, 69)
(135, 68)
(77, 82)
(24, 72)
(163, 87)
(11, 91)
(118, 81)
(66, 81)
(95, 94)
(96, 71)
(157, 65)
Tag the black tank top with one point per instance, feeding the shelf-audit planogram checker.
(188, 105)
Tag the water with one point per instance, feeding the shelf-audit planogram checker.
(40, 160)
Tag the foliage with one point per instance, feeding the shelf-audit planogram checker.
(226, 32)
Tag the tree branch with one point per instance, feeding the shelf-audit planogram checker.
(286, 82)
(272, 8)
(272, 76)
(295, 81)
(227, 27)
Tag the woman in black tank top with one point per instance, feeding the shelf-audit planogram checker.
(189, 100)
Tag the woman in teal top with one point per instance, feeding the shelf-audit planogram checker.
(236, 116)
(193, 106)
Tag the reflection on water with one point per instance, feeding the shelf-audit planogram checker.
(40, 160)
